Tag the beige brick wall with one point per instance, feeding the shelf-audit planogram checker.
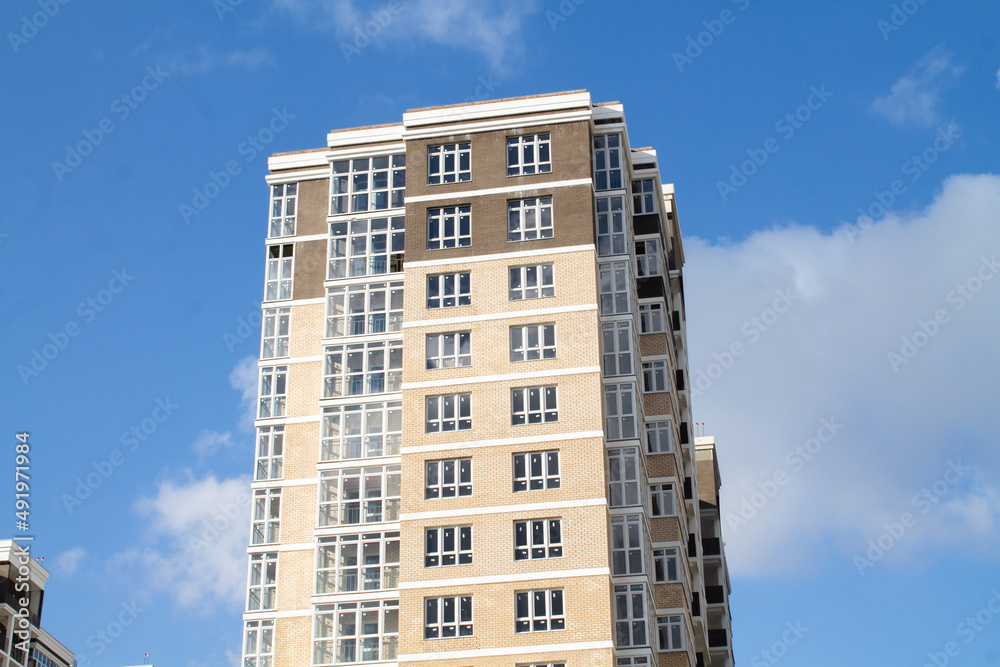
(653, 344)
(295, 580)
(307, 326)
(293, 642)
(668, 596)
(587, 658)
(301, 448)
(674, 659)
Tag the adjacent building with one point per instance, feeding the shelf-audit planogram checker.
(473, 428)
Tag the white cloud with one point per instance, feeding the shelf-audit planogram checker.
(195, 549)
(827, 358)
(491, 29)
(201, 60)
(68, 562)
(913, 100)
(209, 442)
(998, 79)
(243, 378)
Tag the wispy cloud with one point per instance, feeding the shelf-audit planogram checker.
(68, 562)
(914, 99)
(201, 60)
(998, 79)
(209, 442)
(244, 378)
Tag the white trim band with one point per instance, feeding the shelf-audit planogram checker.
(513, 314)
(506, 578)
(503, 509)
(456, 261)
(507, 189)
(499, 442)
(283, 361)
(529, 649)
(507, 377)
(264, 305)
(279, 421)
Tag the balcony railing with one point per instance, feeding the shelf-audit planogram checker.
(692, 546)
(711, 546)
(695, 604)
(718, 638)
(715, 594)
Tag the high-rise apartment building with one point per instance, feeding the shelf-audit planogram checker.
(474, 442)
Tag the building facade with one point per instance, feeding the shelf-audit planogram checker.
(473, 424)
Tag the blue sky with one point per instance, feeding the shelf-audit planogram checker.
(834, 110)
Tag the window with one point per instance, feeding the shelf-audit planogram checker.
(359, 495)
(651, 318)
(671, 636)
(270, 452)
(611, 226)
(450, 163)
(274, 341)
(529, 219)
(607, 162)
(449, 290)
(355, 310)
(632, 661)
(451, 545)
(528, 154)
(258, 650)
(538, 611)
(647, 259)
(535, 471)
(363, 368)
(451, 412)
(533, 405)
(449, 227)
(616, 342)
(626, 544)
(531, 282)
(279, 273)
(356, 632)
(367, 185)
(262, 581)
(273, 385)
(448, 478)
(40, 659)
(535, 341)
(654, 376)
(538, 538)
(614, 280)
(361, 431)
(623, 476)
(665, 565)
(448, 617)
(266, 516)
(283, 210)
(619, 411)
(351, 563)
(544, 664)
(643, 196)
(449, 350)
(658, 437)
(630, 615)
(662, 498)
(366, 247)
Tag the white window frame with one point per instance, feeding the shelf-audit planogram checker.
(449, 227)
(662, 500)
(275, 333)
(608, 162)
(541, 610)
(262, 582)
(536, 471)
(533, 281)
(644, 196)
(529, 219)
(448, 617)
(258, 645)
(273, 391)
(283, 214)
(270, 453)
(447, 478)
(445, 546)
(670, 632)
(648, 261)
(365, 247)
(535, 539)
(452, 349)
(627, 545)
(659, 437)
(631, 627)
(529, 154)
(266, 525)
(449, 290)
(367, 184)
(362, 369)
(448, 412)
(353, 496)
(356, 310)
(361, 431)
(624, 477)
(620, 411)
(616, 345)
(533, 342)
(654, 376)
(666, 565)
(534, 405)
(330, 647)
(612, 227)
(615, 293)
(357, 562)
(449, 163)
(651, 318)
(280, 272)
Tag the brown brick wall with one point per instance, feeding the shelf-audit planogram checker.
(313, 204)
(310, 269)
